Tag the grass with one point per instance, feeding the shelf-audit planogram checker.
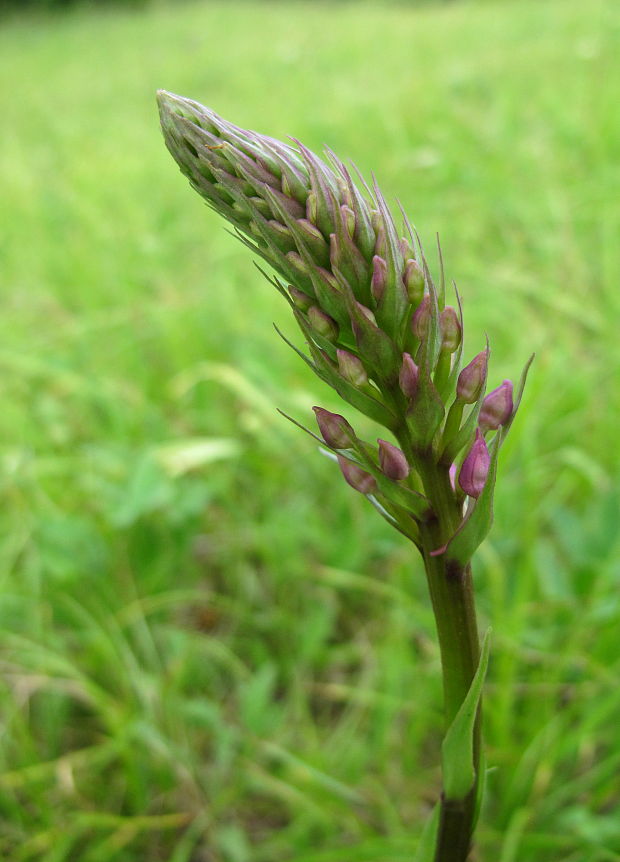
(211, 649)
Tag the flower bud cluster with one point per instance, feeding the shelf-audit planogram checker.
(377, 328)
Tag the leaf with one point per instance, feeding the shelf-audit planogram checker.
(482, 783)
(426, 848)
(457, 750)
(519, 393)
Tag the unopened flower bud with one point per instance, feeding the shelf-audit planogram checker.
(471, 379)
(405, 248)
(496, 408)
(300, 299)
(311, 208)
(421, 318)
(414, 281)
(323, 323)
(351, 368)
(475, 467)
(356, 477)
(392, 461)
(451, 331)
(367, 313)
(380, 241)
(334, 428)
(408, 377)
(348, 217)
(297, 261)
(379, 278)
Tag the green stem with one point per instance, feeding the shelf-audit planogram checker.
(452, 597)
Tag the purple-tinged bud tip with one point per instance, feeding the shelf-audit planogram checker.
(475, 467)
(472, 377)
(392, 461)
(379, 278)
(451, 329)
(408, 377)
(334, 428)
(496, 408)
(356, 477)
(414, 281)
(421, 318)
(323, 323)
(351, 368)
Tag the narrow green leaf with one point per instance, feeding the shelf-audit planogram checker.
(482, 784)
(457, 750)
(428, 839)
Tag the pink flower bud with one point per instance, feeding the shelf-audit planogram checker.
(323, 323)
(414, 281)
(351, 368)
(450, 329)
(356, 477)
(408, 377)
(379, 277)
(421, 318)
(392, 461)
(475, 467)
(334, 428)
(472, 377)
(496, 408)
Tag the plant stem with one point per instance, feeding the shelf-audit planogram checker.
(452, 597)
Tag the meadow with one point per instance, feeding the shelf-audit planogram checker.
(211, 649)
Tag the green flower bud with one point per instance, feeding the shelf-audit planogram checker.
(351, 368)
(414, 281)
(450, 327)
(323, 323)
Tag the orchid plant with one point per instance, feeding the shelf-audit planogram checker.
(378, 331)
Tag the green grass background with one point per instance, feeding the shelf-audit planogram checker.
(211, 649)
